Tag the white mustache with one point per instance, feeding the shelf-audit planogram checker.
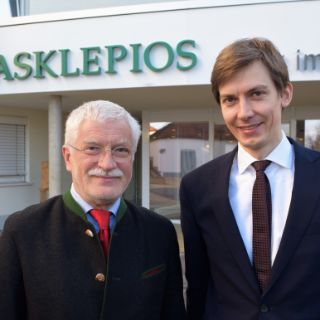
(103, 173)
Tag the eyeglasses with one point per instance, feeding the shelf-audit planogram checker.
(119, 154)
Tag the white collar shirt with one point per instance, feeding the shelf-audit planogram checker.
(280, 174)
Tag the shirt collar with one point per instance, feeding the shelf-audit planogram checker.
(282, 155)
(87, 207)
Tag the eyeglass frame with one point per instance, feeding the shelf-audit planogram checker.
(101, 150)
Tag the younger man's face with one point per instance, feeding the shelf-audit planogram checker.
(251, 107)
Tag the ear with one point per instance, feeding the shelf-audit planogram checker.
(66, 156)
(286, 95)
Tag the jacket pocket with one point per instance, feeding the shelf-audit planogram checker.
(153, 271)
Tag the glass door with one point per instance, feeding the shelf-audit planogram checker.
(172, 148)
(175, 149)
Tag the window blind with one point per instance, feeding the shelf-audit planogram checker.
(12, 153)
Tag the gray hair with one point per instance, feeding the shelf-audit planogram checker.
(100, 110)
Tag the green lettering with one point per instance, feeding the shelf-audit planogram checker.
(24, 66)
(41, 64)
(4, 68)
(136, 63)
(147, 58)
(65, 64)
(88, 61)
(112, 57)
(186, 55)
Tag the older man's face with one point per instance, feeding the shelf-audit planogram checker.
(100, 161)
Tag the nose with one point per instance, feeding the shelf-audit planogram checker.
(245, 109)
(106, 160)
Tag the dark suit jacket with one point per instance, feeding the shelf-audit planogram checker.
(50, 256)
(221, 281)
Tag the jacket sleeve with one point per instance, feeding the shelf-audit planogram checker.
(196, 259)
(173, 306)
(12, 295)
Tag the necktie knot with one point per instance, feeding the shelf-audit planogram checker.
(261, 165)
(102, 217)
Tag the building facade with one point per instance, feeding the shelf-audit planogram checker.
(154, 59)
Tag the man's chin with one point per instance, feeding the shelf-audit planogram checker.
(251, 143)
(101, 201)
(106, 196)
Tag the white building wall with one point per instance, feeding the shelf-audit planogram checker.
(169, 160)
(17, 196)
(45, 6)
(211, 28)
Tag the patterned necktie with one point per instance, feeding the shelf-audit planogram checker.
(103, 218)
(261, 221)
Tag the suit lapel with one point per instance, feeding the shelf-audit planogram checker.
(305, 195)
(226, 220)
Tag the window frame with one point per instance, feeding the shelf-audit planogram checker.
(17, 178)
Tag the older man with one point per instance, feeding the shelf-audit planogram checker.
(89, 254)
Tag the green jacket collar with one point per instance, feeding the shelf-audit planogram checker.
(71, 204)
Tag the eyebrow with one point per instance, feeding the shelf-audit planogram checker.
(257, 87)
(226, 95)
(117, 143)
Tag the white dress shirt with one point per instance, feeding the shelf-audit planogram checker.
(280, 174)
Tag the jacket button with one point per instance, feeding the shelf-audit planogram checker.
(100, 277)
(264, 308)
(89, 233)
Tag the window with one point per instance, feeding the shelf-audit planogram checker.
(12, 151)
(9, 8)
(308, 133)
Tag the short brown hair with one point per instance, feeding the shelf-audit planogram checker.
(240, 54)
